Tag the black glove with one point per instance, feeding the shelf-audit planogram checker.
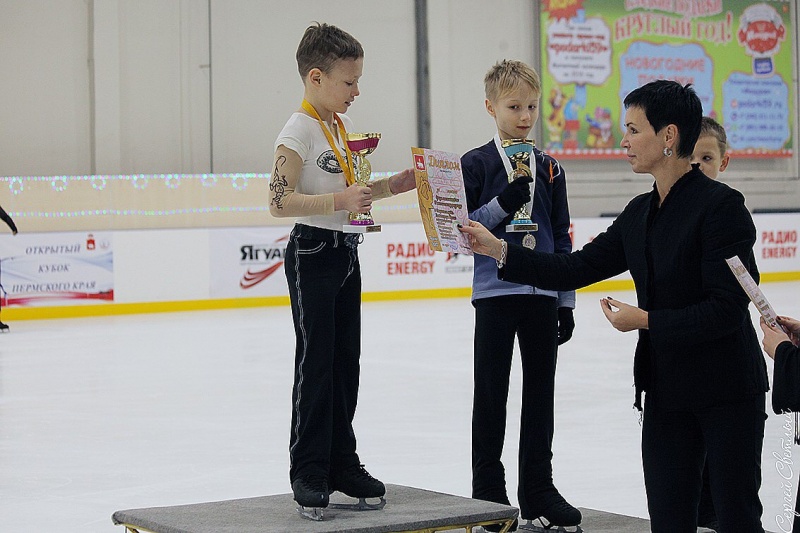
(516, 194)
(566, 324)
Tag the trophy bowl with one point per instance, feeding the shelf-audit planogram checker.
(518, 149)
(362, 143)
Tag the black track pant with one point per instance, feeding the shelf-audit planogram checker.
(534, 321)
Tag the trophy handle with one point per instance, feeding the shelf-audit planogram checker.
(521, 170)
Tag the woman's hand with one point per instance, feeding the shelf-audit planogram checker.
(622, 316)
(792, 328)
(481, 240)
(772, 337)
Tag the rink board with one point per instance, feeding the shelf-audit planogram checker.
(407, 510)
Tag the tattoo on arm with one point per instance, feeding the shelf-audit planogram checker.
(278, 183)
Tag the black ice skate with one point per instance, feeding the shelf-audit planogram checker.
(356, 482)
(3, 327)
(311, 494)
(708, 523)
(558, 516)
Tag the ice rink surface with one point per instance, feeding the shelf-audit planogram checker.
(110, 413)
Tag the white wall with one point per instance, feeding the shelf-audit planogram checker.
(256, 85)
(151, 85)
(45, 116)
(466, 39)
(195, 86)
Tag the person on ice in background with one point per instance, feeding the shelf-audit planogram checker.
(711, 150)
(5, 217)
(539, 319)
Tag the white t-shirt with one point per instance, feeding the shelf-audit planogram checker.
(321, 173)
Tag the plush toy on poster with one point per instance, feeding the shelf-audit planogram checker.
(600, 134)
(555, 121)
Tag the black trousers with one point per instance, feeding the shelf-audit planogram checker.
(533, 320)
(675, 444)
(705, 511)
(324, 279)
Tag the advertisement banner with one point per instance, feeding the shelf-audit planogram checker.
(736, 53)
(775, 248)
(400, 259)
(776, 242)
(248, 262)
(57, 269)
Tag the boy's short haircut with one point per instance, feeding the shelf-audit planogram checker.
(509, 75)
(712, 128)
(322, 45)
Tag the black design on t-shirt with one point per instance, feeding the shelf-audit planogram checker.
(327, 161)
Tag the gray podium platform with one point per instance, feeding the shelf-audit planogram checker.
(407, 510)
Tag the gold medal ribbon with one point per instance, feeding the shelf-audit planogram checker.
(346, 166)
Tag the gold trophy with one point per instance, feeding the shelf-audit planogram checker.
(519, 152)
(361, 145)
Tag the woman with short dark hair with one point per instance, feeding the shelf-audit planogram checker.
(698, 363)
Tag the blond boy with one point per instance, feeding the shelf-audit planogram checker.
(539, 319)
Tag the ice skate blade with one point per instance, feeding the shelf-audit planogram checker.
(531, 525)
(482, 529)
(311, 513)
(361, 505)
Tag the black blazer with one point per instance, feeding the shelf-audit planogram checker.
(701, 348)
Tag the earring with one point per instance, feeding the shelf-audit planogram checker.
(667, 151)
